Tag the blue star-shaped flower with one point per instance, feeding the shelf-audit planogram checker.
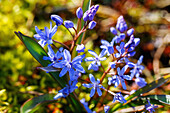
(95, 84)
(149, 107)
(96, 59)
(106, 109)
(68, 65)
(119, 97)
(67, 90)
(54, 57)
(45, 36)
(107, 47)
(116, 79)
(137, 68)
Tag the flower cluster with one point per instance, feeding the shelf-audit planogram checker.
(117, 50)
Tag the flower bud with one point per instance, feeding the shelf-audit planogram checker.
(91, 17)
(96, 7)
(130, 31)
(80, 48)
(140, 81)
(113, 30)
(68, 24)
(57, 19)
(92, 24)
(122, 36)
(79, 12)
(86, 16)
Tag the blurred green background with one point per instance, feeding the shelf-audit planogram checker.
(20, 80)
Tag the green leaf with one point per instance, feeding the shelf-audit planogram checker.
(38, 52)
(33, 104)
(154, 99)
(86, 5)
(145, 89)
(161, 98)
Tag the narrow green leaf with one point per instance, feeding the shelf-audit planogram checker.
(33, 104)
(161, 98)
(86, 5)
(38, 52)
(145, 89)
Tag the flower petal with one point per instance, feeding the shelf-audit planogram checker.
(99, 91)
(63, 71)
(92, 79)
(92, 92)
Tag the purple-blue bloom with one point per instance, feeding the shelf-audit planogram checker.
(80, 48)
(120, 49)
(149, 107)
(119, 97)
(68, 24)
(79, 12)
(66, 90)
(96, 59)
(92, 24)
(116, 79)
(132, 43)
(107, 47)
(54, 57)
(45, 36)
(57, 19)
(106, 109)
(137, 68)
(68, 65)
(95, 84)
(140, 82)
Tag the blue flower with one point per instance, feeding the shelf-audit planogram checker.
(140, 82)
(132, 43)
(54, 57)
(106, 109)
(85, 104)
(137, 68)
(119, 97)
(57, 19)
(95, 84)
(45, 36)
(66, 90)
(92, 24)
(80, 48)
(116, 79)
(120, 49)
(68, 65)
(107, 47)
(68, 24)
(79, 12)
(150, 107)
(96, 59)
